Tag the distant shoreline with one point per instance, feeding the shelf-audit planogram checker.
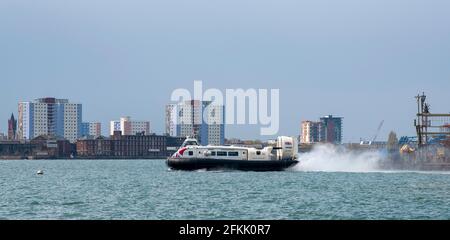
(86, 159)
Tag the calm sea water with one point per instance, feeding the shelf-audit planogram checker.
(145, 189)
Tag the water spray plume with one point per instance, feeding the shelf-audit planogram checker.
(330, 158)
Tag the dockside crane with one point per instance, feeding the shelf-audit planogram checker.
(375, 136)
(378, 132)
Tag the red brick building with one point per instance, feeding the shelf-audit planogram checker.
(128, 146)
(94, 147)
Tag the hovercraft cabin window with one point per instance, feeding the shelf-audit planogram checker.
(213, 153)
(191, 153)
(221, 154)
(233, 154)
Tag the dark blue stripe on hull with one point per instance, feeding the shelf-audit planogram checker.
(244, 165)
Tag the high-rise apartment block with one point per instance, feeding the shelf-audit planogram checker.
(310, 132)
(332, 129)
(50, 117)
(128, 127)
(91, 129)
(200, 119)
(171, 120)
(327, 130)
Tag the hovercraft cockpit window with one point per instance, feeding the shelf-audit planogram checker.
(191, 143)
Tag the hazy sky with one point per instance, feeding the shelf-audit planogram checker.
(360, 59)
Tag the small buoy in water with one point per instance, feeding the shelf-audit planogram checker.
(40, 172)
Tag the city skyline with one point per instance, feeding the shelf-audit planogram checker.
(105, 127)
(364, 62)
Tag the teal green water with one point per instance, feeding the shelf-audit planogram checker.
(145, 189)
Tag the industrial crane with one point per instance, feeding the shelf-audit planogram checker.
(375, 136)
(378, 131)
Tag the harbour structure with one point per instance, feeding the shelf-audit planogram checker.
(12, 128)
(430, 149)
(127, 126)
(430, 125)
(202, 120)
(49, 117)
(91, 129)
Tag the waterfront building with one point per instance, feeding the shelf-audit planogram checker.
(128, 146)
(41, 147)
(331, 131)
(3, 137)
(139, 145)
(50, 117)
(128, 127)
(199, 119)
(95, 148)
(91, 129)
(12, 128)
(310, 132)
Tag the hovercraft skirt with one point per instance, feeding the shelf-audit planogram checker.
(243, 165)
